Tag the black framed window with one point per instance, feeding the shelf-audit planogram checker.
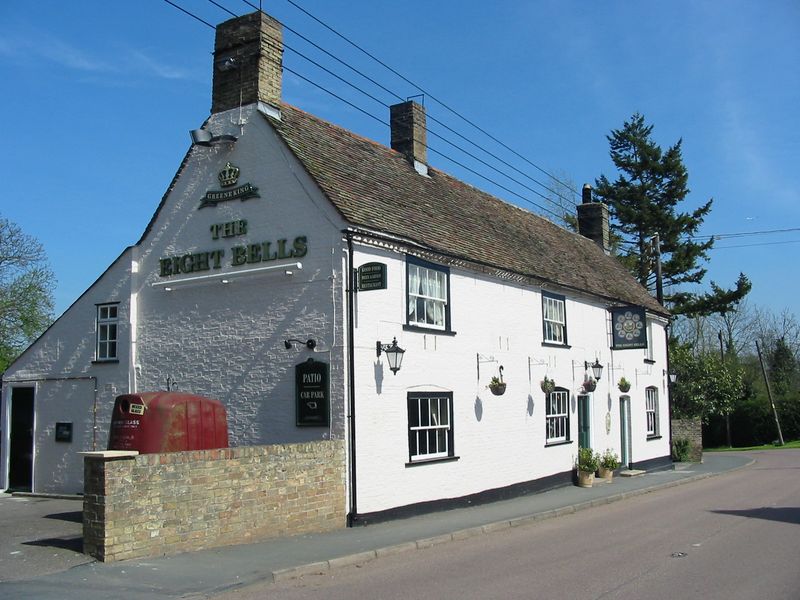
(430, 426)
(651, 410)
(427, 295)
(107, 321)
(554, 319)
(557, 416)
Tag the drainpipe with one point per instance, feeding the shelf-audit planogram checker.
(351, 292)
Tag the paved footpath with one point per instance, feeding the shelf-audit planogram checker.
(206, 573)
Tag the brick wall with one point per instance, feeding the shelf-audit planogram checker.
(157, 504)
(692, 430)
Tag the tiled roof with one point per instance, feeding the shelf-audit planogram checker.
(375, 187)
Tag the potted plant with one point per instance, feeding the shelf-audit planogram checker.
(547, 385)
(624, 385)
(587, 463)
(590, 385)
(497, 386)
(609, 461)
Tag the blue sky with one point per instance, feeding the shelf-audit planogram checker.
(98, 98)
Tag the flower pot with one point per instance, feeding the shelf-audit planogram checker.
(585, 479)
(607, 474)
(498, 389)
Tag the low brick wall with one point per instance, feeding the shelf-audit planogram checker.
(157, 504)
(691, 429)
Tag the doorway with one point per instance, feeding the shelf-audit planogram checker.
(584, 422)
(625, 430)
(20, 468)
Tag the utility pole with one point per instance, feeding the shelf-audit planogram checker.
(769, 393)
(656, 245)
(727, 412)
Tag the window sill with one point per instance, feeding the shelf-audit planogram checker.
(420, 329)
(649, 361)
(653, 437)
(552, 444)
(428, 461)
(554, 345)
(110, 361)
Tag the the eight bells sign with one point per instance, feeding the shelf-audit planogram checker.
(629, 327)
(238, 255)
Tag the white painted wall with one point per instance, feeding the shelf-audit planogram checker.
(69, 386)
(500, 440)
(225, 341)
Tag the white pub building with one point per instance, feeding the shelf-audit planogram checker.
(424, 312)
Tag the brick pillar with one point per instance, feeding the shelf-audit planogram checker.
(248, 59)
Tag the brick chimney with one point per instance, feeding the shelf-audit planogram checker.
(409, 134)
(248, 54)
(593, 220)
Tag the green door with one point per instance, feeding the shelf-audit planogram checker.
(584, 422)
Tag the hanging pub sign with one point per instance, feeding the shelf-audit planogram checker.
(372, 276)
(628, 328)
(312, 393)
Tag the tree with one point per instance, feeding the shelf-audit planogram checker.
(705, 386)
(26, 291)
(643, 202)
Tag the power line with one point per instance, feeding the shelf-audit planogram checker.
(194, 16)
(434, 98)
(760, 244)
(463, 166)
(720, 236)
(341, 99)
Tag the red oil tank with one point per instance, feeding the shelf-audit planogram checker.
(153, 422)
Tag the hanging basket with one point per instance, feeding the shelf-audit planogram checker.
(624, 385)
(548, 385)
(589, 385)
(498, 389)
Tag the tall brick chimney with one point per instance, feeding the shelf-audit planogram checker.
(409, 133)
(593, 220)
(248, 54)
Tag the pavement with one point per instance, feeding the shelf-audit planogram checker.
(42, 559)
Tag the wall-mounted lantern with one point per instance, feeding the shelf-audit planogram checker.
(394, 354)
(309, 343)
(597, 368)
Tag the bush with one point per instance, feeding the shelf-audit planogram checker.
(681, 449)
(588, 460)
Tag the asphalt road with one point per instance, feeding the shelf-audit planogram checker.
(39, 536)
(732, 537)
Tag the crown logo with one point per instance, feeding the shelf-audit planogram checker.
(229, 175)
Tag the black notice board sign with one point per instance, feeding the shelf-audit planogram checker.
(628, 327)
(312, 393)
(372, 276)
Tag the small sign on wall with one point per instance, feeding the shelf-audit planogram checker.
(372, 276)
(312, 394)
(63, 432)
(628, 327)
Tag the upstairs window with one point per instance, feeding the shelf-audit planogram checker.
(554, 319)
(428, 295)
(651, 410)
(107, 319)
